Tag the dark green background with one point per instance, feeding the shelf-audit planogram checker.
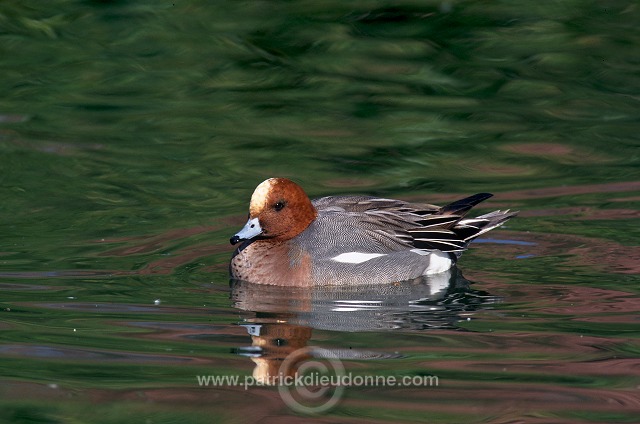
(132, 134)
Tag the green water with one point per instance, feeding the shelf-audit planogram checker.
(132, 134)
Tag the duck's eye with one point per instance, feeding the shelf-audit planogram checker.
(279, 206)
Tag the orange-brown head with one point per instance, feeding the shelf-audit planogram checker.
(279, 210)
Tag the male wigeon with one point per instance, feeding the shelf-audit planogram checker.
(291, 240)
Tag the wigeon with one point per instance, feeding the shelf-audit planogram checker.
(291, 240)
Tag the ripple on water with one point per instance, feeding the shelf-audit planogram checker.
(49, 352)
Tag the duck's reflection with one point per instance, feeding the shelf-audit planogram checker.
(271, 343)
(280, 319)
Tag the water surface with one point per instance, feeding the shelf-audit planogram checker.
(132, 135)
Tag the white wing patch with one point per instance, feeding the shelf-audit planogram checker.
(356, 257)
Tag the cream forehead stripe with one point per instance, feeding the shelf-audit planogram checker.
(259, 196)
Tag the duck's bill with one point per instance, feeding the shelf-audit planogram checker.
(250, 230)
